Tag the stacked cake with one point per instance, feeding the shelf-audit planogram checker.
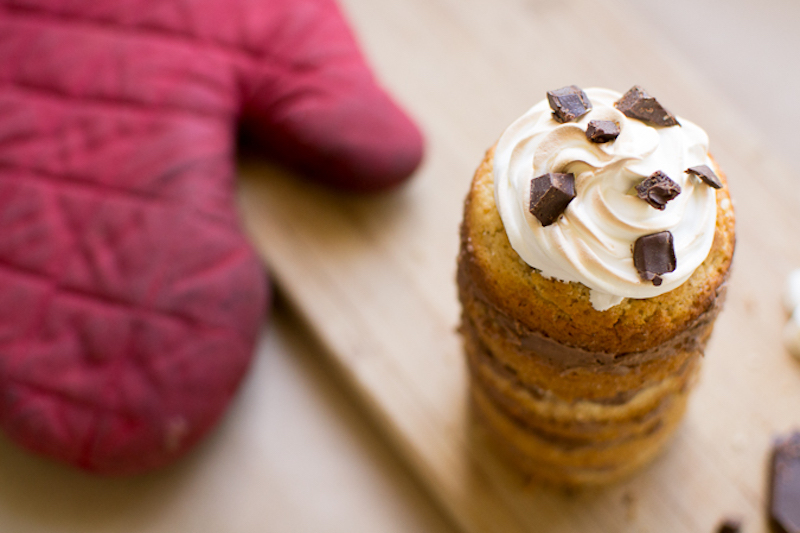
(596, 241)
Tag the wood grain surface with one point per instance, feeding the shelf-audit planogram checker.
(374, 277)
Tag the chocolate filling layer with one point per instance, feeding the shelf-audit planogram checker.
(484, 356)
(573, 443)
(692, 338)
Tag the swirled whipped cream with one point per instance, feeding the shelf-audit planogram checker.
(591, 242)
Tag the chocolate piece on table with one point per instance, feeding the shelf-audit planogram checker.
(784, 497)
(654, 255)
(730, 525)
(636, 103)
(657, 190)
(550, 195)
(602, 131)
(568, 103)
(705, 173)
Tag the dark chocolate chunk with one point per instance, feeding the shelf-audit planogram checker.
(657, 190)
(602, 131)
(705, 173)
(636, 103)
(550, 195)
(784, 498)
(654, 255)
(568, 103)
(730, 525)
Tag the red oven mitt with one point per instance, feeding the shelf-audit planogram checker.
(129, 299)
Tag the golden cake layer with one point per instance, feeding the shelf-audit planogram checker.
(573, 395)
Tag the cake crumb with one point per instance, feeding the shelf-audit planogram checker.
(730, 525)
(629, 502)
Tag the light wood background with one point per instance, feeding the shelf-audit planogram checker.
(374, 278)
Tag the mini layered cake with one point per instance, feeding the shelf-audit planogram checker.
(596, 241)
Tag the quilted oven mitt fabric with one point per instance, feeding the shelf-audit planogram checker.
(129, 299)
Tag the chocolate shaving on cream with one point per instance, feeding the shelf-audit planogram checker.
(707, 175)
(636, 103)
(657, 190)
(602, 131)
(568, 103)
(550, 195)
(654, 255)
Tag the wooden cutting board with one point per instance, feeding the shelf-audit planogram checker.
(374, 277)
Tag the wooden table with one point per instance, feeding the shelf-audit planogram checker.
(374, 277)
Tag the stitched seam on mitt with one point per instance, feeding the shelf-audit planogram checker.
(116, 104)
